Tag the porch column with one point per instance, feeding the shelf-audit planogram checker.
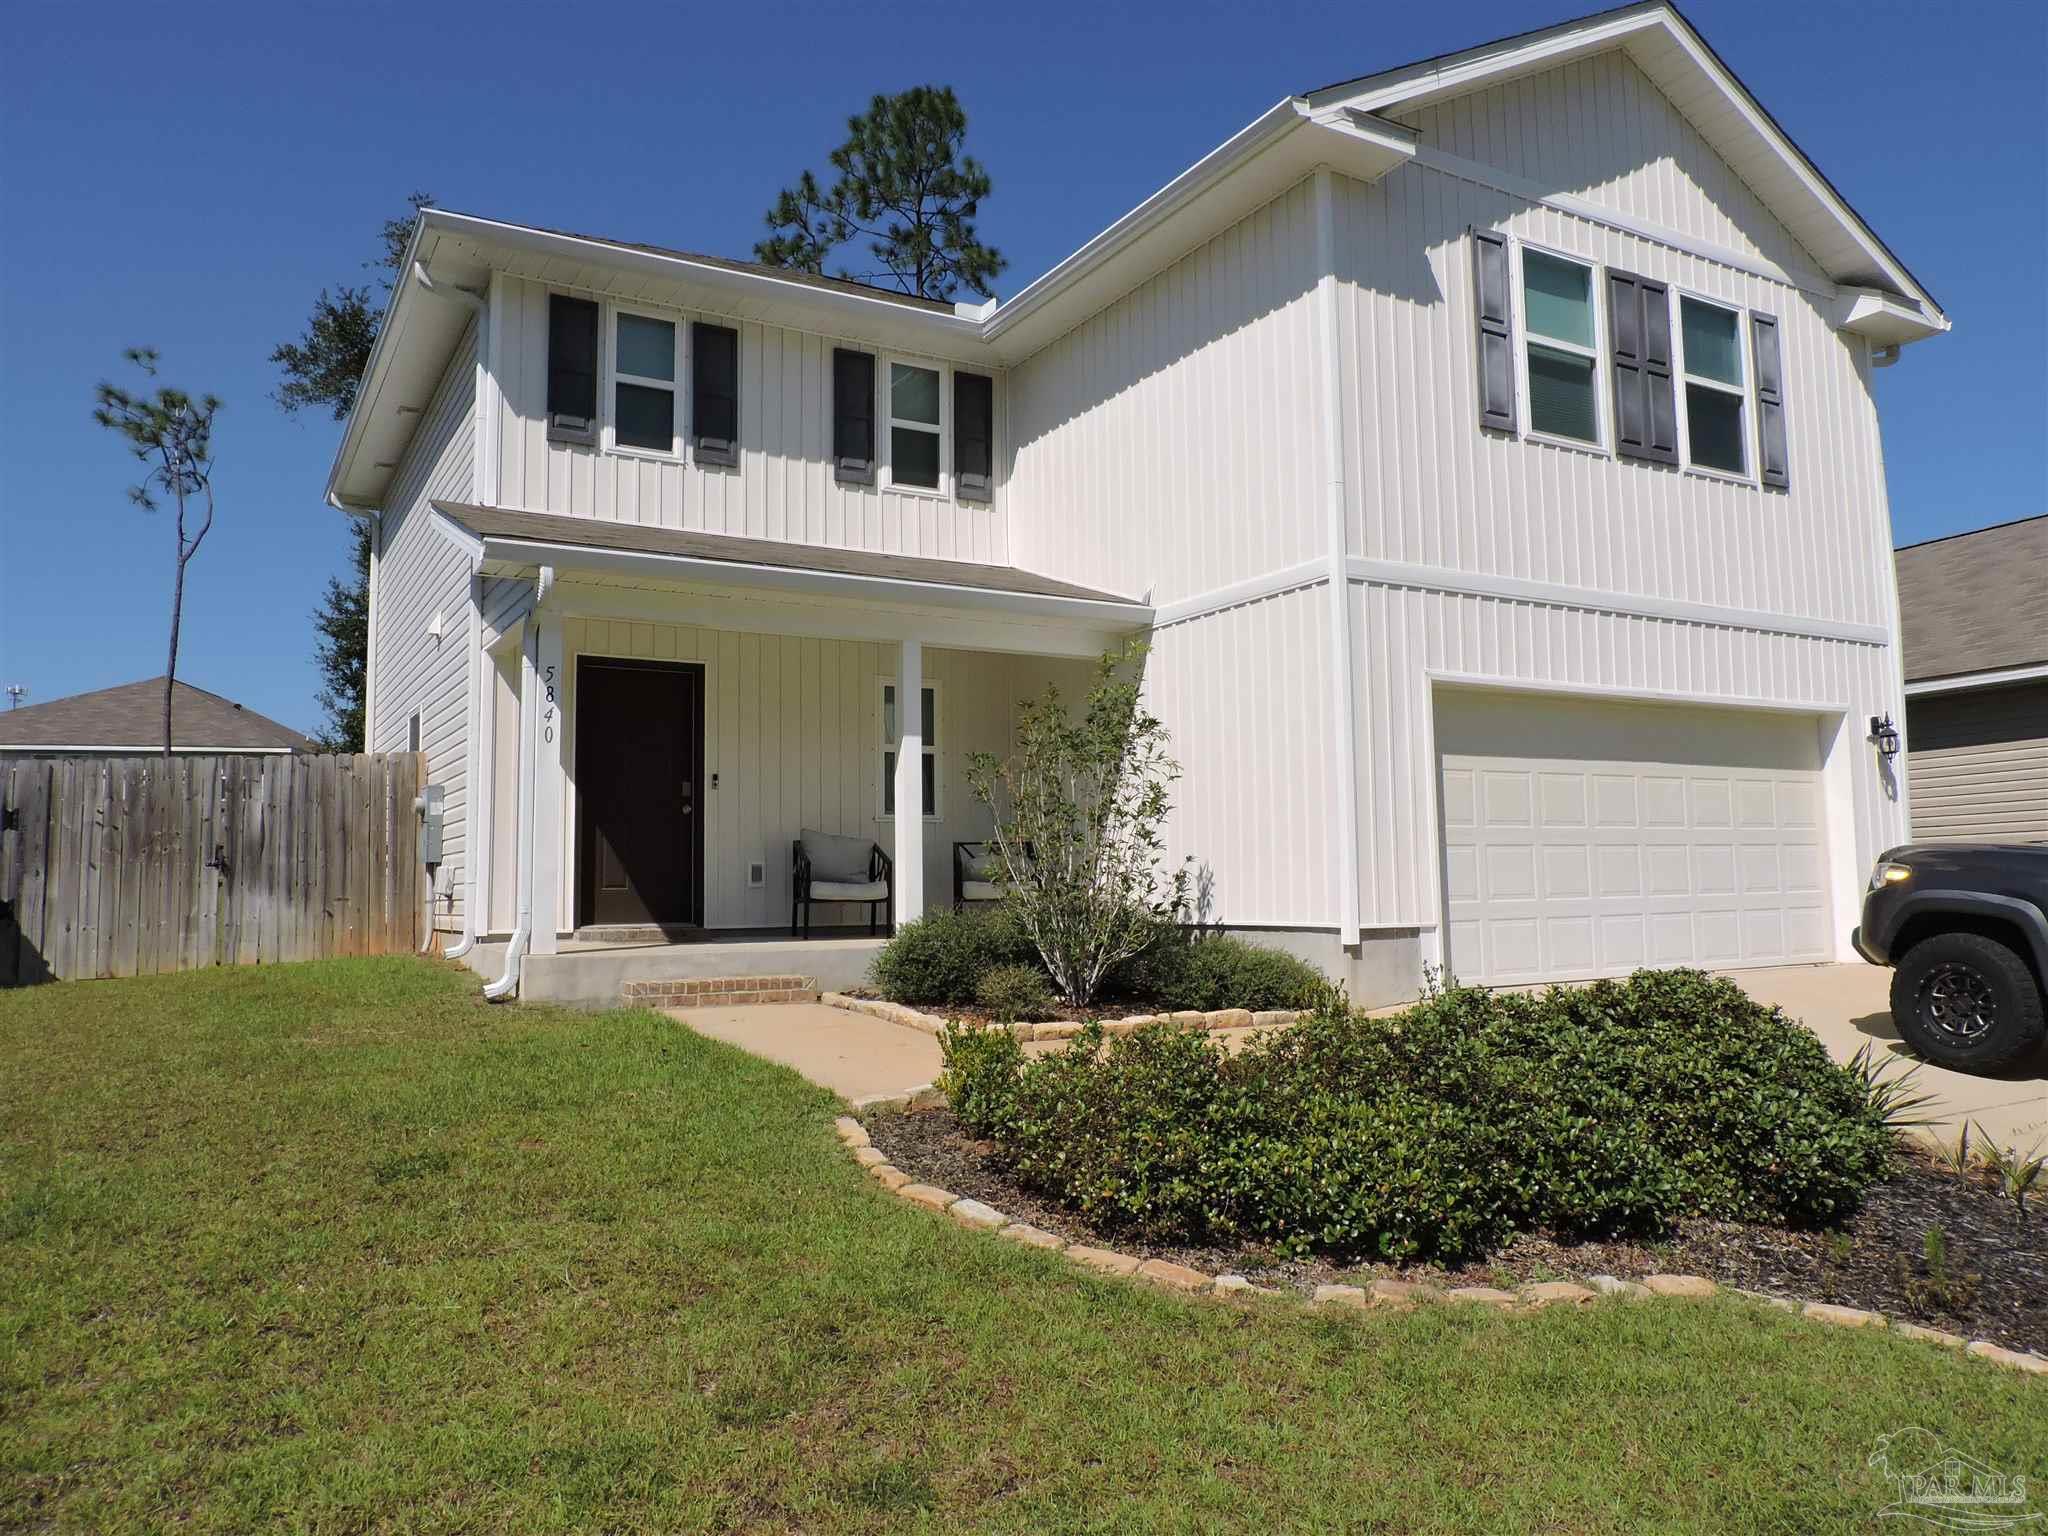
(910, 782)
(549, 737)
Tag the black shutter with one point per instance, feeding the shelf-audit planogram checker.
(853, 416)
(1645, 406)
(715, 392)
(1770, 402)
(572, 368)
(974, 441)
(1495, 302)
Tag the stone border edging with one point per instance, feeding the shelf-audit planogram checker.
(932, 1023)
(1383, 1293)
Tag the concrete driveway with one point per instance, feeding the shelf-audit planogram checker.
(1849, 1008)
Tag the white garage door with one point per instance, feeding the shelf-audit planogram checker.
(1583, 838)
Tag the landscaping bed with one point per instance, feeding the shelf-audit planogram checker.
(1874, 1260)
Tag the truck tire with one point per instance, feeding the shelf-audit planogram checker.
(1964, 1001)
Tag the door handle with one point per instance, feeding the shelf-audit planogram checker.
(689, 797)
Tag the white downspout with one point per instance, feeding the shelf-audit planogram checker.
(472, 759)
(1343, 707)
(529, 748)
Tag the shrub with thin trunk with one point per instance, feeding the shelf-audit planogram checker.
(1079, 810)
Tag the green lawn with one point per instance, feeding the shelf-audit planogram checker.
(338, 1247)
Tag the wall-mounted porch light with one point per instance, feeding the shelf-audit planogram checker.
(1885, 735)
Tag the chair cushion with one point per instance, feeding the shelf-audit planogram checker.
(848, 890)
(978, 864)
(837, 858)
(980, 890)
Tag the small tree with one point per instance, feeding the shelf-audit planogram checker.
(905, 186)
(342, 652)
(1079, 810)
(172, 434)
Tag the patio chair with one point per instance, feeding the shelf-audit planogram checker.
(978, 873)
(833, 868)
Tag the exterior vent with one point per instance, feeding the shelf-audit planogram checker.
(757, 874)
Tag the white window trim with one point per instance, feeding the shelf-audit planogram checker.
(608, 405)
(1744, 392)
(931, 750)
(886, 423)
(1596, 284)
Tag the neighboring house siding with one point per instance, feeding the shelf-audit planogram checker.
(420, 573)
(1169, 443)
(783, 486)
(792, 730)
(1979, 762)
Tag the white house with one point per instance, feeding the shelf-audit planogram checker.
(1488, 448)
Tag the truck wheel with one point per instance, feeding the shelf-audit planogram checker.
(1964, 1001)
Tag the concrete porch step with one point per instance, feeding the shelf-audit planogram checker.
(718, 991)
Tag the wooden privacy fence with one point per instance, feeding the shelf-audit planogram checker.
(129, 866)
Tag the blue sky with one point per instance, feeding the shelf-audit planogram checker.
(190, 176)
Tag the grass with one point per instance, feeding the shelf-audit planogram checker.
(338, 1248)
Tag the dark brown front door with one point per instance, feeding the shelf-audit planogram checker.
(639, 786)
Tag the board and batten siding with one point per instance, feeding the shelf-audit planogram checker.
(419, 574)
(783, 486)
(792, 731)
(1168, 443)
(1978, 764)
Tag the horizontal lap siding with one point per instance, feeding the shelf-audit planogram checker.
(1245, 693)
(783, 486)
(792, 729)
(420, 573)
(1428, 486)
(1168, 443)
(1978, 764)
(1404, 635)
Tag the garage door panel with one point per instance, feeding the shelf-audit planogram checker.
(1558, 866)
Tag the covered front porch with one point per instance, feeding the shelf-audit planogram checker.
(657, 726)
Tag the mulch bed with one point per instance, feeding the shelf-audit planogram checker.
(1874, 1261)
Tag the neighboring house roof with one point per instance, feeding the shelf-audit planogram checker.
(499, 533)
(1340, 126)
(1975, 602)
(130, 718)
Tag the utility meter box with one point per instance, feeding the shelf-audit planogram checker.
(429, 806)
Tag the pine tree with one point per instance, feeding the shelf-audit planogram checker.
(906, 188)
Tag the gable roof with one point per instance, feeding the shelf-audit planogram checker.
(129, 717)
(1343, 126)
(1699, 83)
(1975, 602)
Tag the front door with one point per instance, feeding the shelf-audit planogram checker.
(639, 783)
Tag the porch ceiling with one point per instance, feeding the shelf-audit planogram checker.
(511, 540)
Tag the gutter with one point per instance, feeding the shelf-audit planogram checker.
(507, 985)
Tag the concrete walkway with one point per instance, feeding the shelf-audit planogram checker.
(1846, 1005)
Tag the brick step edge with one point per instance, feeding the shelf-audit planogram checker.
(706, 991)
(932, 1023)
(1384, 1294)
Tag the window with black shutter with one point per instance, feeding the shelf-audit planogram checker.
(1645, 409)
(973, 435)
(572, 369)
(715, 393)
(853, 416)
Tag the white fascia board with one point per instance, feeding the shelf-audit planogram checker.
(521, 554)
(1962, 682)
(374, 372)
(1885, 319)
(1461, 73)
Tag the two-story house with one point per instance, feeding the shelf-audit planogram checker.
(1487, 449)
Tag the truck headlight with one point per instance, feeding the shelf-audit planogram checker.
(1889, 874)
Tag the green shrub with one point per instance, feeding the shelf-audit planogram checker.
(1015, 994)
(942, 957)
(980, 1076)
(1212, 971)
(1613, 1109)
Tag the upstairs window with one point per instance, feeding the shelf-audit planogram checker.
(644, 384)
(1557, 305)
(572, 369)
(916, 427)
(929, 769)
(1715, 433)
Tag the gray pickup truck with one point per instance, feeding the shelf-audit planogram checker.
(1964, 928)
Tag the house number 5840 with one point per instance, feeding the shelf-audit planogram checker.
(547, 714)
